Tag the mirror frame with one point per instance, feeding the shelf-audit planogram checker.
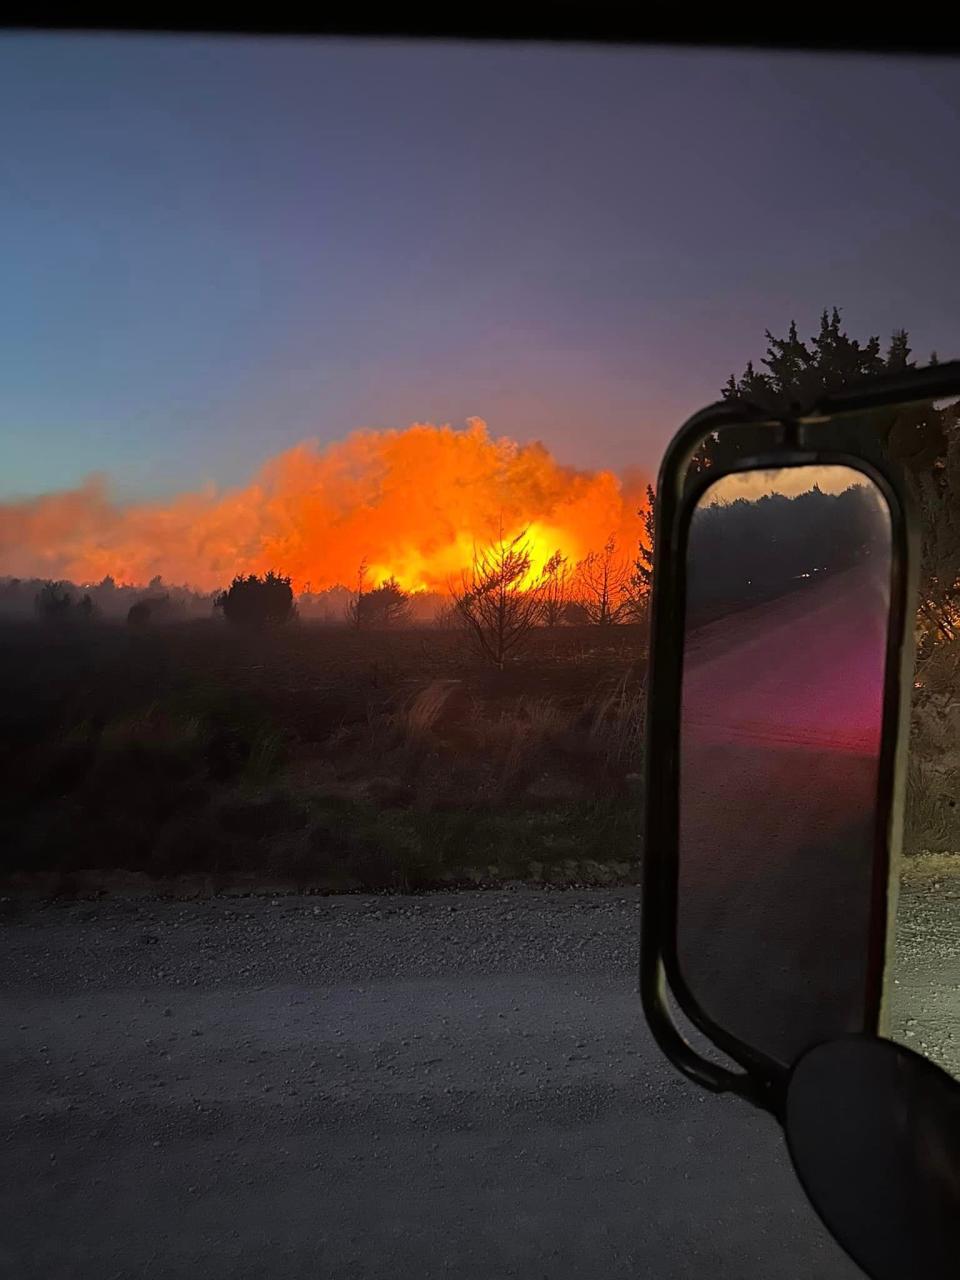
(797, 438)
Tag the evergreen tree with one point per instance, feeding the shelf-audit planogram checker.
(923, 440)
(385, 606)
(253, 601)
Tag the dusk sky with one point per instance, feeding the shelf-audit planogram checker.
(215, 249)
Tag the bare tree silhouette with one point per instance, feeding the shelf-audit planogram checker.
(355, 607)
(496, 604)
(557, 581)
(602, 582)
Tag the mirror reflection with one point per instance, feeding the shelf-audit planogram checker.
(788, 582)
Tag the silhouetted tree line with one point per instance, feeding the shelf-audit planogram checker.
(742, 552)
(610, 585)
(65, 602)
(55, 602)
(924, 441)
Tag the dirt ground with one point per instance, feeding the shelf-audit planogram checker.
(454, 1084)
(925, 988)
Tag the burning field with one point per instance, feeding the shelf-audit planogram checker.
(412, 504)
(336, 755)
(331, 755)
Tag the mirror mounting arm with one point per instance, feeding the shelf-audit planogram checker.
(768, 1092)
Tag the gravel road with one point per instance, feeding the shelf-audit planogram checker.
(458, 1085)
(925, 992)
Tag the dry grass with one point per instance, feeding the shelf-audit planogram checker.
(619, 722)
(933, 778)
(377, 761)
(940, 672)
(418, 718)
(384, 765)
(935, 729)
(932, 823)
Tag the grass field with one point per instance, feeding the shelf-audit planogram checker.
(327, 758)
(322, 755)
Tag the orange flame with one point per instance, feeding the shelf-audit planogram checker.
(412, 503)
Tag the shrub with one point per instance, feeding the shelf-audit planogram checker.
(386, 606)
(255, 601)
(150, 609)
(53, 602)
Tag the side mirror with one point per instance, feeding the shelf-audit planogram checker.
(873, 1131)
(780, 667)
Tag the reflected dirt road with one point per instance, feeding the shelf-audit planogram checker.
(781, 724)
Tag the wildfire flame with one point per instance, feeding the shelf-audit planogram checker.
(412, 503)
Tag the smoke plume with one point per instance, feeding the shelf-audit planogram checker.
(411, 503)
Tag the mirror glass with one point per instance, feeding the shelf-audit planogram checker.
(788, 590)
(874, 1135)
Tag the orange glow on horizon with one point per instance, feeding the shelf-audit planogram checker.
(412, 503)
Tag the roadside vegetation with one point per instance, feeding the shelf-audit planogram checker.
(384, 760)
(933, 784)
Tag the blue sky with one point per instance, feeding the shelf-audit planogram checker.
(212, 249)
